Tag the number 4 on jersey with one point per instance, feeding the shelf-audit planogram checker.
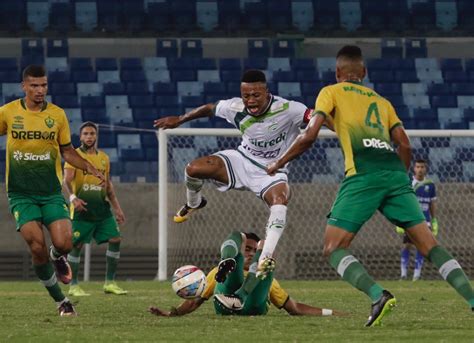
(373, 110)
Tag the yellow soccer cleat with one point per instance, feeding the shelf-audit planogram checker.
(184, 212)
(113, 288)
(265, 267)
(381, 308)
(77, 291)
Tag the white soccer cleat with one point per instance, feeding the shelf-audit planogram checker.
(230, 302)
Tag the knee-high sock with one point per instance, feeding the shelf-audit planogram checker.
(418, 265)
(452, 272)
(404, 261)
(251, 281)
(193, 190)
(74, 259)
(112, 257)
(275, 227)
(352, 271)
(47, 276)
(231, 246)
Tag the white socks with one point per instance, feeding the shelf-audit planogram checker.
(193, 190)
(275, 226)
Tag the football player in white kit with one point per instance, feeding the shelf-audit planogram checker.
(269, 124)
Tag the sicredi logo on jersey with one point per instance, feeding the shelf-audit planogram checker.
(376, 143)
(28, 156)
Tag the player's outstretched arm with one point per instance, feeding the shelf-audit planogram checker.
(186, 307)
(400, 138)
(302, 143)
(175, 121)
(71, 156)
(299, 309)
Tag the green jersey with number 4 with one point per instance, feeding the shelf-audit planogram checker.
(363, 121)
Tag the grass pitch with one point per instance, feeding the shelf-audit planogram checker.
(427, 311)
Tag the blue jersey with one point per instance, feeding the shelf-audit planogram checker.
(426, 193)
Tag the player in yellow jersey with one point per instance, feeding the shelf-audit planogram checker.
(376, 179)
(37, 136)
(239, 256)
(91, 214)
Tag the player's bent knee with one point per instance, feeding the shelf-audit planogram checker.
(38, 252)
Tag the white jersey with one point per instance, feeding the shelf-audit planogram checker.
(266, 137)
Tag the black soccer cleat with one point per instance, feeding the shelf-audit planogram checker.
(63, 270)
(66, 309)
(185, 211)
(382, 307)
(225, 267)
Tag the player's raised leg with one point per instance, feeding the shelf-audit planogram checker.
(336, 244)
(229, 250)
(277, 198)
(448, 267)
(33, 235)
(207, 167)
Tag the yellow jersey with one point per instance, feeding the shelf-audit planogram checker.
(363, 121)
(277, 295)
(33, 158)
(87, 187)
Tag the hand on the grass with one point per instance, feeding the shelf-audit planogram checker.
(399, 230)
(159, 312)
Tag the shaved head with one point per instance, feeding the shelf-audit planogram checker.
(350, 64)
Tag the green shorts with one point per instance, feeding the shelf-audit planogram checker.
(257, 302)
(42, 208)
(361, 195)
(101, 230)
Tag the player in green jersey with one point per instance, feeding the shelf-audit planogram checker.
(37, 136)
(376, 179)
(91, 214)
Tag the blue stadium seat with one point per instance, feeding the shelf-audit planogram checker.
(183, 75)
(425, 114)
(155, 63)
(233, 88)
(402, 76)
(229, 15)
(417, 101)
(374, 15)
(381, 76)
(89, 88)
(86, 15)
(456, 76)
(137, 88)
(232, 64)
(191, 48)
(328, 77)
(326, 64)
(61, 16)
(388, 88)
(443, 101)
(32, 47)
(106, 63)
(133, 14)
(451, 64)
(463, 88)
(128, 141)
(11, 90)
(37, 15)
(63, 88)
(404, 64)
(302, 14)
(130, 64)
(279, 64)
(59, 76)
(192, 101)
(379, 64)
(326, 15)
(289, 89)
(159, 16)
(258, 48)
(439, 89)
(92, 102)
(166, 101)
(8, 64)
(149, 140)
(208, 76)
(255, 17)
(182, 63)
(27, 60)
(279, 14)
(165, 88)
(56, 64)
(231, 75)
(166, 48)
(284, 76)
(109, 13)
(255, 63)
(183, 13)
(97, 115)
(465, 101)
(446, 15)
(206, 64)
(119, 115)
(350, 15)
(307, 75)
(66, 101)
(159, 75)
(189, 88)
(10, 76)
(132, 75)
(423, 16)
(403, 113)
(114, 88)
(415, 48)
(145, 114)
(206, 15)
(12, 16)
(392, 47)
(311, 88)
(284, 48)
(396, 100)
(137, 101)
(84, 76)
(81, 63)
(303, 64)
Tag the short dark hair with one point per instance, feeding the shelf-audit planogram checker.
(253, 75)
(420, 160)
(252, 236)
(352, 52)
(87, 124)
(34, 70)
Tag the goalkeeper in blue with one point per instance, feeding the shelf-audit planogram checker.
(239, 257)
(425, 191)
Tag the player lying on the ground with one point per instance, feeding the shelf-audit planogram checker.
(239, 256)
(425, 191)
(269, 124)
(375, 179)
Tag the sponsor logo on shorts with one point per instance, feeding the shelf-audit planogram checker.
(376, 144)
(28, 156)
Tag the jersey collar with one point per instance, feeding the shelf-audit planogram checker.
(23, 104)
(354, 82)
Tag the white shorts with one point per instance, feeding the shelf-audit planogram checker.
(243, 174)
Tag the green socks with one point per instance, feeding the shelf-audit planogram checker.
(47, 276)
(74, 259)
(452, 272)
(112, 256)
(352, 271)
(251, 281)
(231, 246)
